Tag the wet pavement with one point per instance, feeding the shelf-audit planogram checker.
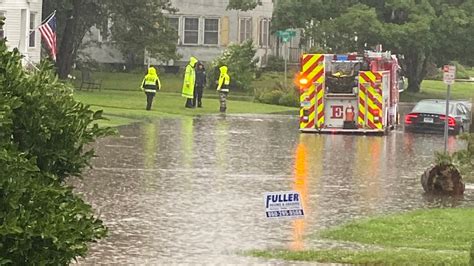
(190, 190)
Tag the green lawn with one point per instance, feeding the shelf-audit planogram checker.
(437, 89)
(419, 237)
(124, 107)
(173, 83)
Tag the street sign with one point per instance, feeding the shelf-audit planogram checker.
(286, 35)
(286, 204)
(449, 74)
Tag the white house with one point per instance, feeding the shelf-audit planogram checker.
(22, 17)
(205, 29)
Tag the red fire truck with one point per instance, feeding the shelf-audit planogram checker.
(349, 93)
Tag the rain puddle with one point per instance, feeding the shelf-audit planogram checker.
(191, 190)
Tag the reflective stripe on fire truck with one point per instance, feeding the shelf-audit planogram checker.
(311, 98)
(370, 91)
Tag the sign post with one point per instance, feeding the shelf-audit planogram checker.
(286, 36)
(449, 74)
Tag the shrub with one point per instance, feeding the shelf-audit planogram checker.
(275, 63)
(41, 222)
(47, 123)
(290, 99)
(239, 58)
(272, 97)
(43, 138)
(435, 73)
(278, 95)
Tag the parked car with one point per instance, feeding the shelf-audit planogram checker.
(429, 116)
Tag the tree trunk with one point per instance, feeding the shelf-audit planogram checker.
(442, 179)
(415, 65)
(70, 37)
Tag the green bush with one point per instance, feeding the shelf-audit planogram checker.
(437, 73)
(48, 124)
(275, 63)
(41, 222)
(272, 97)
(278, 95)
(239, 58)
(290, 99)
(43, 138)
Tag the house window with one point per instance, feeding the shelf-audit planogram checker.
(191, 30)
(174, 23)
(264, 32)
(32, 39)
(211, 31)
(2, 30)
(245, 26)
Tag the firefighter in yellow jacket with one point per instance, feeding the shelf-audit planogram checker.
(151, 83)
(189, 82)
(223, 87)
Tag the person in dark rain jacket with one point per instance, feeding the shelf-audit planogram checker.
(200, 84)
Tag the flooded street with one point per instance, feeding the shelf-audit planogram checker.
(190, 190)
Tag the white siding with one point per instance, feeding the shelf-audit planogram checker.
(229, 30)
(17, 31)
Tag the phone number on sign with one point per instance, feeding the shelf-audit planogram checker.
(284, 213)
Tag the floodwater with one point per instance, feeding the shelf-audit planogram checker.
(191, 190)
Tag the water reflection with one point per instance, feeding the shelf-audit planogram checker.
(191, 190)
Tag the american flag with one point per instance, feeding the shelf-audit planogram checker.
(48, 32)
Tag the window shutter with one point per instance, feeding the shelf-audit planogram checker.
(224, 31)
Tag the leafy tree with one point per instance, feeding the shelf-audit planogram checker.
(240, 59)
(136, 25)
(423, 31)
(140, 24)
(43, 133)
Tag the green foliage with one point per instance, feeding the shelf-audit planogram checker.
(240, 59)
(278, 95)
(43, 138)
(275, 63)
(141, 24)
(461, 71)
(134, 26)
(463, 159)
(437, 73)
(443, 159)
(423, 31)
(48, 124)
(41, 222)
(243, 5)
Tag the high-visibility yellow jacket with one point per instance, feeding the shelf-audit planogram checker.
(151, 82)
(189, 79)
(224, 80)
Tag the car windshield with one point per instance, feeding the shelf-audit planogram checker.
(431, 107)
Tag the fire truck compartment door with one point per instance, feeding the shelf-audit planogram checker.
(335, 110)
